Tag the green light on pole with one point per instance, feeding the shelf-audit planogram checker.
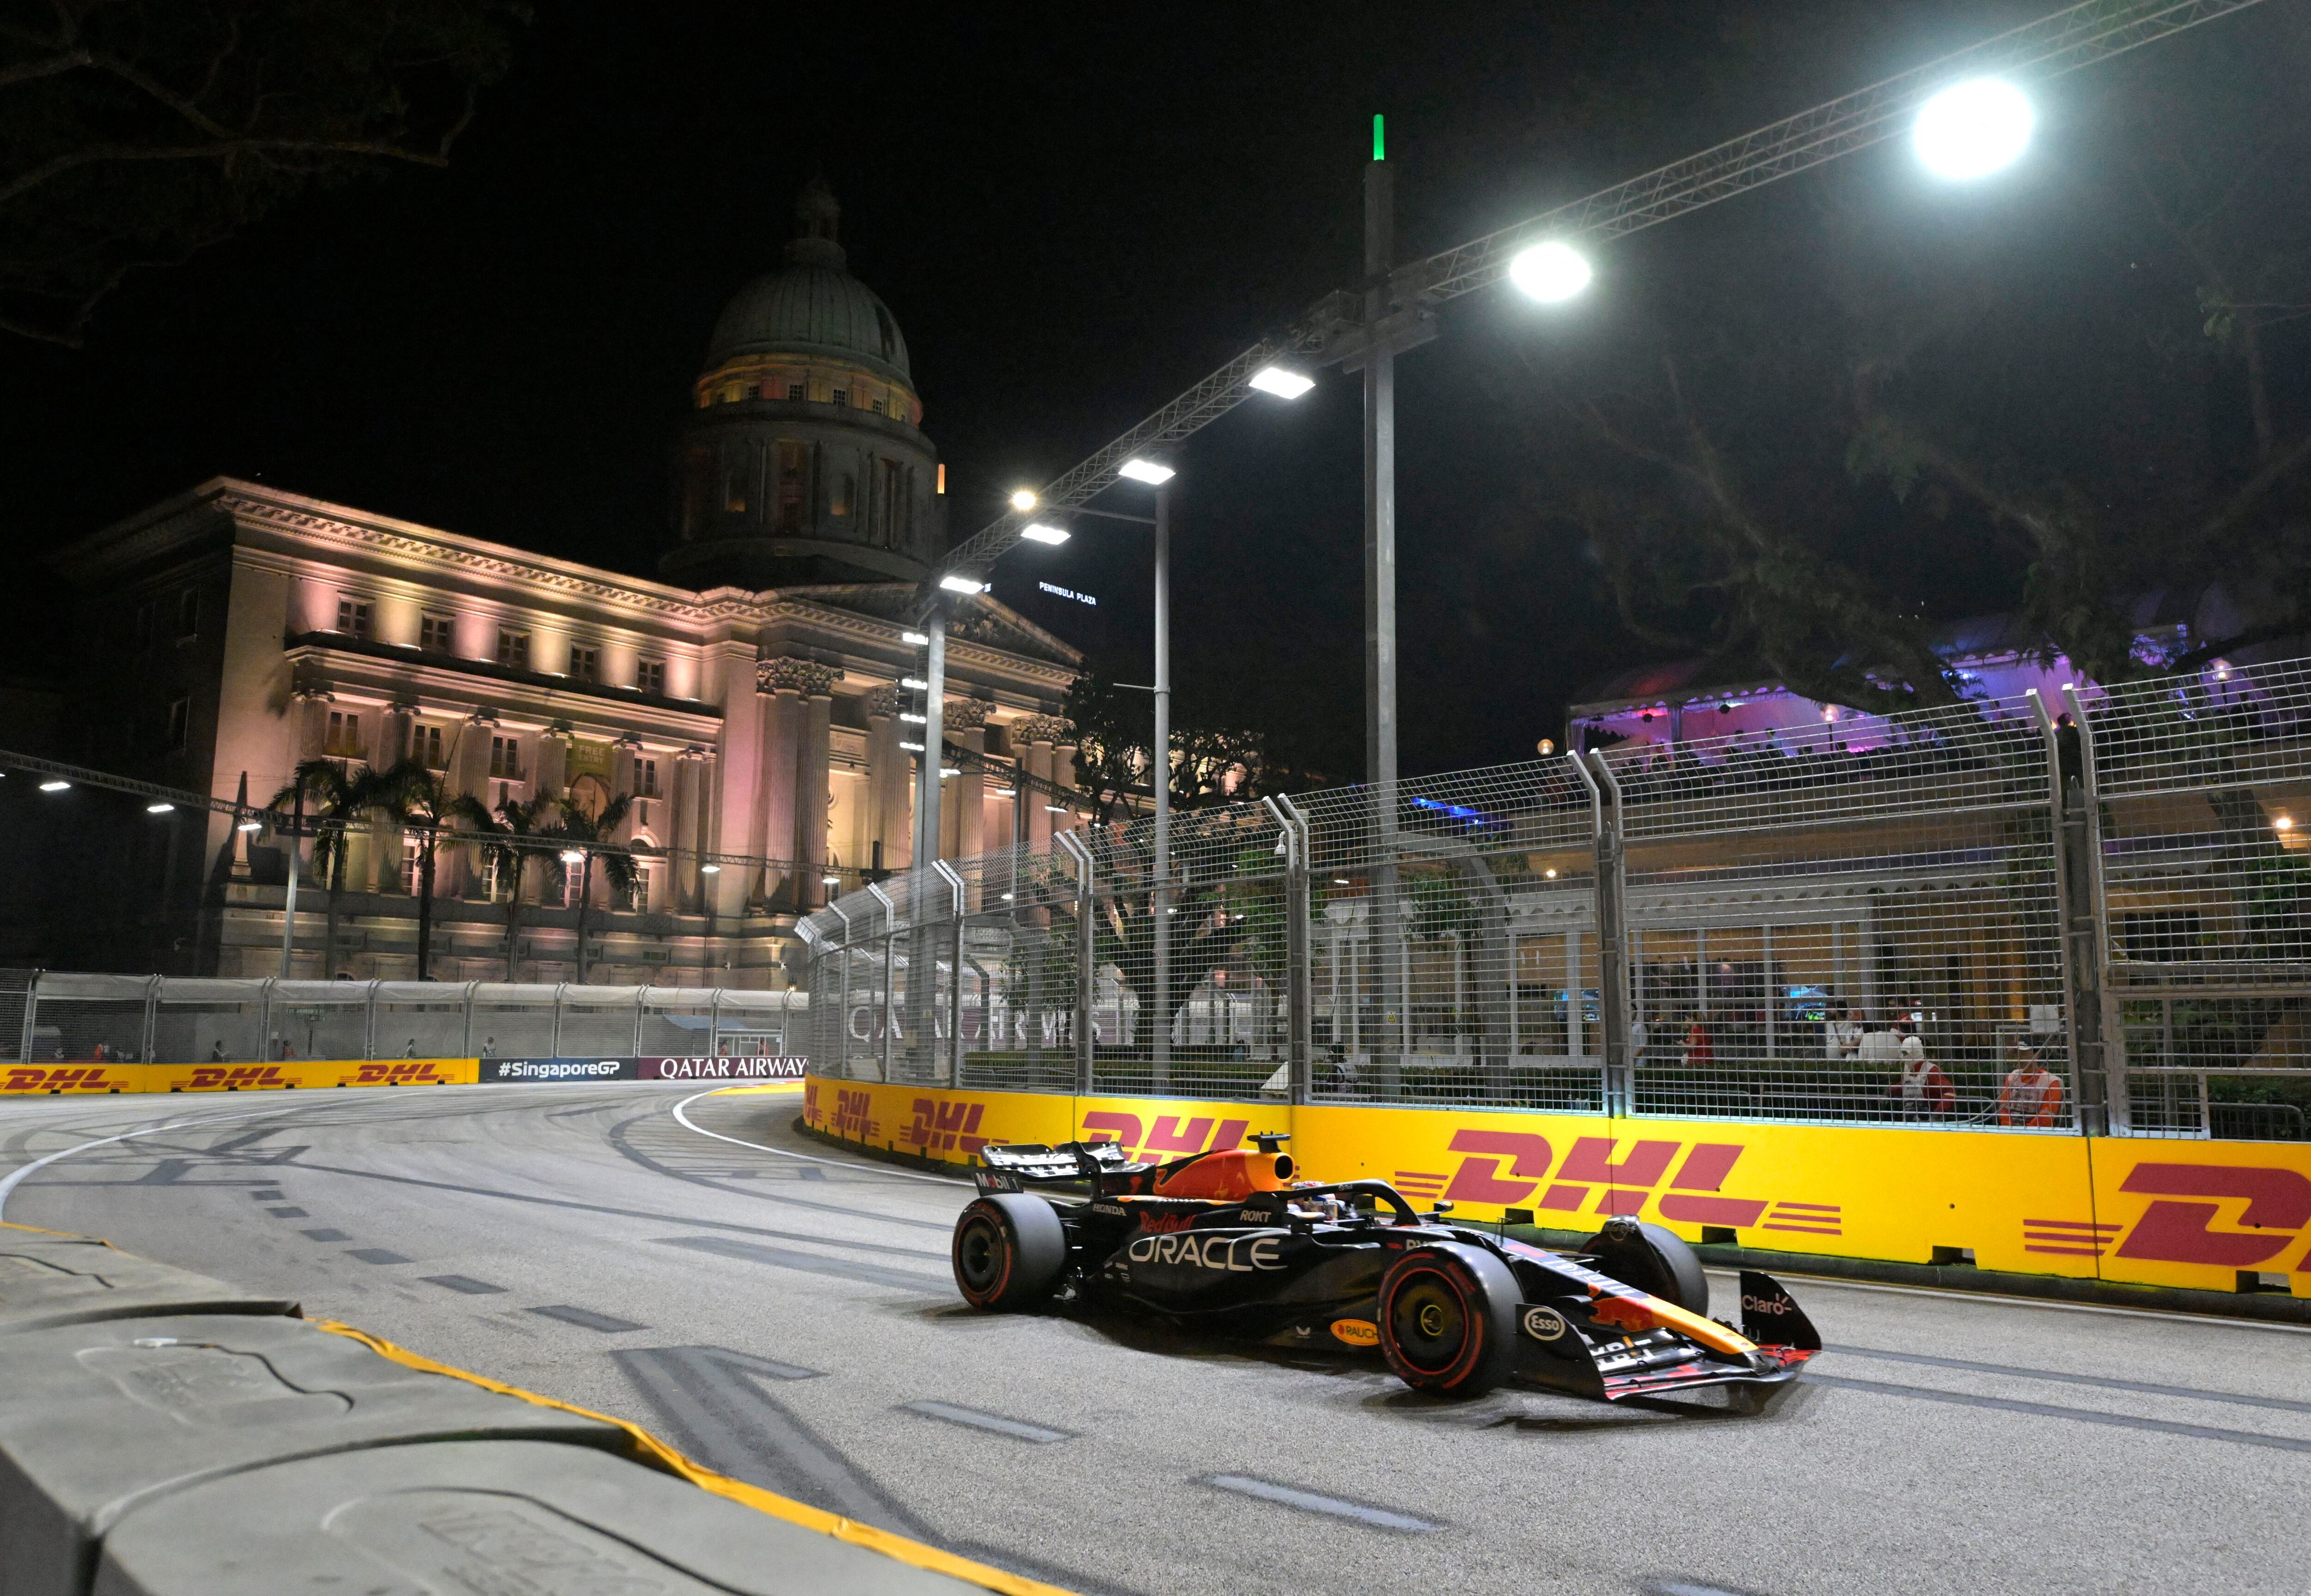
(1380, 149)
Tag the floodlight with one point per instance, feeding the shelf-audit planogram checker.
(2282, 822)
(958, 582)
(915, 682)
(160, 808)
(1282, 383)
(945, 773)
(572, 856)
(1972, 129)
(912, 719)
(917, 639)
(829, 881)
(709, 869)
(1037, 532)
(912, 748)
(1145, 471)
(1023, 498)
(55, 786)
(251, 825)
(1550, 272)
(1058, 808)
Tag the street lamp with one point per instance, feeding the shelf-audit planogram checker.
(160, 808)
(1145, 471)
(1280, 381)
(55, 786)
(1972, 129)
(1035, 532)
(1551, 273)
(957, 582)
(1022, 499)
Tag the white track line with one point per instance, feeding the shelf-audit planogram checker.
(15, 1179)
(1958, 1294)
(943, 1180)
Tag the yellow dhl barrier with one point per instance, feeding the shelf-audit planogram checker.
(58, 1079)
(2204, 1215)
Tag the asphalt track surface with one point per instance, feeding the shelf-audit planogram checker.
(787, 1316)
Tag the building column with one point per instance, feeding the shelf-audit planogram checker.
(1037, 733)
(550, 777)
(684, 831)
(469, 774)
(966, 722)
(737, 771)
(888, 775)
(811, 796)
(1063, 775)
(312, 723)
(786, 681)
(393, 746)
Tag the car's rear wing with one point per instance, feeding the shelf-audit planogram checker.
(1009, 1167)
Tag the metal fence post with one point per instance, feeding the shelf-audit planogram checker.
(553, 1043)
(641, 996)
(890, 959)
(1086, 938)
(31, 1011)
(2100, 1039)
(152, 1015)
(470, 988)
(953, 880)
(264, 1019)
(1299, 984)
(368, 1022)
(714, 1024)
(1612, 938)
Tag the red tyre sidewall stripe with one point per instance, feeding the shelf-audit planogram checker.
(1007, 1248)
(1473, 1333)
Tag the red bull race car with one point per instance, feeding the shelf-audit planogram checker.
(1229, 1241)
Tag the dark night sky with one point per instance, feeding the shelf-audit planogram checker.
(1073, 211)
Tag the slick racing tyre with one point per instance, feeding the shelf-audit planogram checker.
(1010, 1251)
(1448, 1320)
(1652, 1259)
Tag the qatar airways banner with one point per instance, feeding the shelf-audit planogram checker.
(776, 1067)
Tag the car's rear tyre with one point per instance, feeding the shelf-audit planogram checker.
(1448, 1320)
(1652, 1259)
(1010, 1251)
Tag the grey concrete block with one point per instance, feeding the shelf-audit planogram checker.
(51, 1280)
(96, 1419)
(459, 1518)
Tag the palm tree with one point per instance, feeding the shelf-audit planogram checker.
(413, 797)
(509, 844)
(338, 797)
(588, 835)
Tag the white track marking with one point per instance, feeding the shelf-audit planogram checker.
(15, 1179)
(1952, 1294)
(944, 1180)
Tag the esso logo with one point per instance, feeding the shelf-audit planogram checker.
(1544, 1324)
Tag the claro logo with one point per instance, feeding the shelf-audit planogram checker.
(1236, 1254)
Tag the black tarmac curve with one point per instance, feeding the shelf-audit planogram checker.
(788, 1316)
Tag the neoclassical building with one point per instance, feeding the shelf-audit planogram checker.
(750, 702)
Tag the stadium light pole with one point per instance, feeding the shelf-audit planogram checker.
(1159, 772)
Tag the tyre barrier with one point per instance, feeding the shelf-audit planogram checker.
(166, 1435)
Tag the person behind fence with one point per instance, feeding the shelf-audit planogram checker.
(2031, 1095)
(1925, 1092)
(1841, 1039)
(1700, 1051)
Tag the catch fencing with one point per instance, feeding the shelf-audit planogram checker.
(47, 1016)
(2022, 915)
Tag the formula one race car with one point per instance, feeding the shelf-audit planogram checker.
(1228, 1241)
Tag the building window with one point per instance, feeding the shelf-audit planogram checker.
(650, 676)
(352, 617)
(734, 489)
(586, 663)
(180, 720)
(344, 739)
(891, 501)
(413, 867)
(794, 484)
(646, 779)
(435, 633)
(794, 390)
(513, 650)
(430, 748)
(188, 613)
(846, 488)
(842, 396)
(505, 759)
(636, 898)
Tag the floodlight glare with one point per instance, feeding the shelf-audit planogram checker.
(829, 881)
(55, 786)
(917, 639)
(1551, 271)
(160, 808)
(916, 682)
(1972, 129)
(1037, 532)
(572, 856)
(913, 719)
(1145, 471)
(709, 869)
(912, 748)
(1024, 500)
(250, 826)
(961, 583)
(1280, 382)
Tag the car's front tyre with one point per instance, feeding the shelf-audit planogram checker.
(1448, 1320)
(1009, 1252)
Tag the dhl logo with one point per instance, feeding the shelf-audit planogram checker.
(1165, 1135)
(2264, 1210)
(945, 1127)
(233, 1077)
(60, 1078)
(395, 1074)
(854, 1119)
(1509, 1169)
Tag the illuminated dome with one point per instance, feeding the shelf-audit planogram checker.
(811, 306)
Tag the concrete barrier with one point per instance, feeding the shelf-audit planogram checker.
(101, 1420)
(49, 1280)
(475, 1516)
